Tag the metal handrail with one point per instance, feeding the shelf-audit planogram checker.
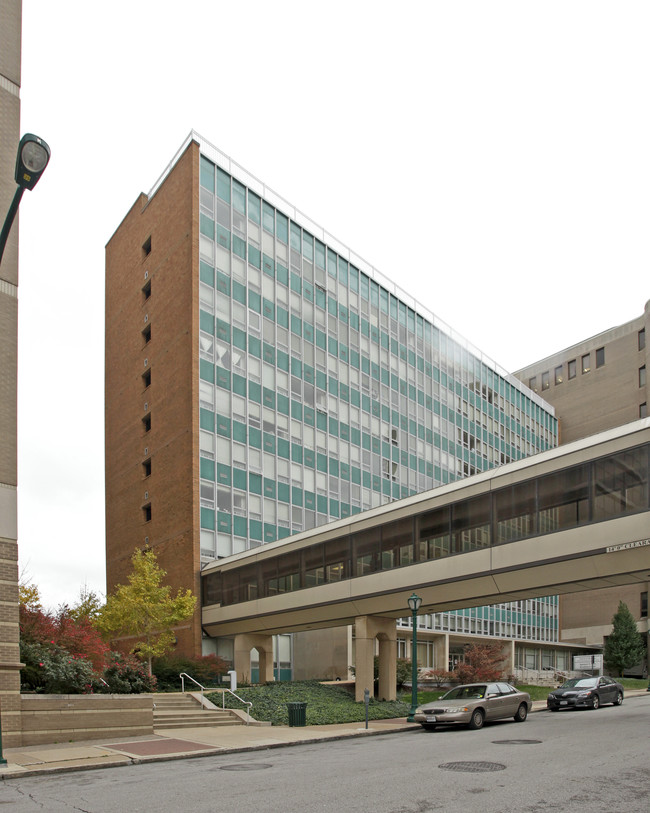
(241, 700)
(184, 675)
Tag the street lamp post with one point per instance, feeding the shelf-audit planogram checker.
(414, 603)
(31, 160)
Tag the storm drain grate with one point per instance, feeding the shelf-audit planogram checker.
(516, 742)
(472, 767)
(244, 766)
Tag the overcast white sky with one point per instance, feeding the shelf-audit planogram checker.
(490, 157)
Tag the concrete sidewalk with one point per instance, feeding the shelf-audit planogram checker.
(183, 743)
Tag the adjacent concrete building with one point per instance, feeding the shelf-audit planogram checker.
(595, 385)
(10, 50)
(262, 380)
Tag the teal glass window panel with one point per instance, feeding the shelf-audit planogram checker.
(270, 535)
(282, 316)
(223, 330)
(345, 471)
(282, 274)
(206, 226)
(239, 338)
(224, 474)
(283, 360)
(284, 492)
(343, 271)
(321, 421)
(307, 246)
(238, 292)
(284, 448)
(207, 173)
(321, 462)
(239, 431)
(333, 385)
(335, 510)
(269, 488)
(308, 373)
(254, 301)
(296, 496)
(355, 436)
(331, 263)
(206, 322)
(268, 309)
(365, 479)
(295, 236)
(268, 353)
(282, 227)
(255, 529)
(207, 469)
(223, 426)
(296, 452)
(321, 339)
(334, 467)
(206, 419)
(320, 255)
(254, 256)
(308, 332)
(296, 410)
(310, 500)
(224, 522)
(333, 346)
(238, 384)
(206, 370)
(206, 273)
(223, 378)
(240, 526)
(296, 325)
(333, 427)
(310, 458)
(238, 246)
(354, 279)
(254, 437)
(223, 185)
(254, 203)
(283, 404)
(255, 483)
(308, 415)
(239, 479)
(254, 346)
(268, 218)
(207, 518)
(223, 283)
(355, 475)
(364, 286)
(321, 504)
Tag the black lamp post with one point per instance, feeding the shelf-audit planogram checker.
(31, 160)
(414, 605)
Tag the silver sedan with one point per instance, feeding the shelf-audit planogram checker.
(473, 704)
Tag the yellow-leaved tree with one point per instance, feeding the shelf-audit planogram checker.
(145, 609)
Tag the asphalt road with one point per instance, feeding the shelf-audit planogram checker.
(573, 761)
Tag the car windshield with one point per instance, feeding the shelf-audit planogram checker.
(580, 683)
(465, 693)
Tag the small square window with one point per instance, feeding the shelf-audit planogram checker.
(545, 381)
(586, 363)
(146, 334)
(559, 374)
(600, 357)
(532, 383)
(146, 290)
(642, 376)
(146, 378)
(146, 468)
(146, 247)
(643, 410)
(146, 423)
(572, 368)
(642, 339)
(146, 512)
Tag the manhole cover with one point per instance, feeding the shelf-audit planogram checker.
(258, 766)
(472, 767)
(516, 742)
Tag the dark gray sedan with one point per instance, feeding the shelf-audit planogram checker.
(589, 692)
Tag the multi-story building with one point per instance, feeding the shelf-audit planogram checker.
(596, 385)
(262, 379)
(10, 69)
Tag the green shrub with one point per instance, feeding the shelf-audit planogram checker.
(53, 670)
(125, 674)
(206, 670)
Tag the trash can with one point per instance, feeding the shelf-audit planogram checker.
(297, 714)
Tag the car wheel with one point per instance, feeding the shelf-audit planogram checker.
(478, 718)
(428, 726)
(595, 703)
(522, 713)
(619, 699)
(552, 709)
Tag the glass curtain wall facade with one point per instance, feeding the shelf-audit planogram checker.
(324, 390)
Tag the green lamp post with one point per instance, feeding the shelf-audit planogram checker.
(31, 160)
(414, 603)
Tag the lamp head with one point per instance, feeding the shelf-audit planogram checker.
(33, 156)
(414, 603)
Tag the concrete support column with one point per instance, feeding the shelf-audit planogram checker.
(441, 652)
(367, 629)
(508, 658)
(242, 656)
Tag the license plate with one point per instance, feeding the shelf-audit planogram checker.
(431, 718)
(564, 702)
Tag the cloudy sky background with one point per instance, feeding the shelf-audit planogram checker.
(491, 158)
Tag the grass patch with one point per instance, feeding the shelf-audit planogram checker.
(326, 705)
